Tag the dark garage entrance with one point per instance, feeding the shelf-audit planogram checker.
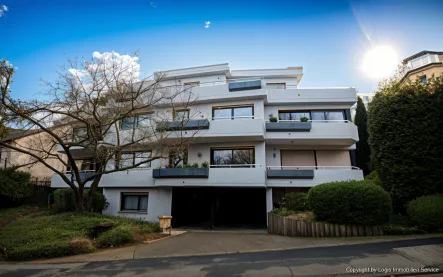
(219, 207)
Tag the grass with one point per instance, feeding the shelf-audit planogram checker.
(11, 214)
(52, 235)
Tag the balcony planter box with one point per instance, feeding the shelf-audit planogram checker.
(180, 173)
(290, 174)
(247, 85)
(189, 125)
(288, 126)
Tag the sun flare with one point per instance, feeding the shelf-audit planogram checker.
(380, 62)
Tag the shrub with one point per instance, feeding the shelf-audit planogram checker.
(46, 249)
(65, 200)
(427, 212)
(391, 229)
(283, 212)
(295, 201)
(205, 164)
(81, 245)
(374, 178)
(405, 127)
(14, 184)
(350, 202)
(114, 237)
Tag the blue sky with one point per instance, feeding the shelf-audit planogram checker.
(327, 38)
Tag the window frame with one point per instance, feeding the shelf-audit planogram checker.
(232, 156)
(139, 195)
(343, 111)
(277, 83)
(136, 121)
(181, 110)
(91, 166)
(423, 79)
(232, 108)
(133, 153)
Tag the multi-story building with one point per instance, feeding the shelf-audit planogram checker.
(261, 135)
(422, 65)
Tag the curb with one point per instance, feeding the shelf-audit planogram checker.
(168, 237)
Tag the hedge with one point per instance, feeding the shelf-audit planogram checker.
(65, 200)
(405, 128)
(295, 201)
(350, 202)
(427, 212)
(114, 237)
(14, 185)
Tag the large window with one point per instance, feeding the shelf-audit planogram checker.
(135, 202)
(131, 159)
(138, 121)
(317, 115)
(293, 115)
(82, 165)
(237, 157)
(233, 112)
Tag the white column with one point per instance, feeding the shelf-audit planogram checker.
(268, 202)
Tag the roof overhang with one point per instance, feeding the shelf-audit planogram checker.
(206, 70)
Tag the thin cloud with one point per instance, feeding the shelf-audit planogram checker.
(153, 4)
(3, 9)
(207, 24)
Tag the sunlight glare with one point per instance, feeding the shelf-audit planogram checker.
(380, 62)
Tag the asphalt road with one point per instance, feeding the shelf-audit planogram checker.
(322, 261)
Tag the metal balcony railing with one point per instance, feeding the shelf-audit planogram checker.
(313, 167)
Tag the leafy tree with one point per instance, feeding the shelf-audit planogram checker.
(406, 137)
(84, 110)
(362, 151)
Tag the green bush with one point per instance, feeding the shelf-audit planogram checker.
(283, 212)
(114, 237)
(391, 229)
(295, 201)
(405, 127)
(350, 202)
(374, 177)
(14, 184)
(65, 200)
(47, 249)
(427, 212)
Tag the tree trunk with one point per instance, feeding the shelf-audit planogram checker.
(92, 191)
(79, 201)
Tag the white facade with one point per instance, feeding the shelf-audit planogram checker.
(267, 92)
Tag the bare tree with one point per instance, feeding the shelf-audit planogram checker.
(100, 109)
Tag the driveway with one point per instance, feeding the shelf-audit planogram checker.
(211, 242)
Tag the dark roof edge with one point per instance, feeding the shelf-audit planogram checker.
(421, 54)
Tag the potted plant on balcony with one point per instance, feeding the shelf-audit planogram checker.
(304, 119)
(272, 118)
(205, 164)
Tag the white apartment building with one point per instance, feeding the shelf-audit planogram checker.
(253, 162)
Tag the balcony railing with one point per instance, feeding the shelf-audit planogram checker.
(235, 165)
(314, 167)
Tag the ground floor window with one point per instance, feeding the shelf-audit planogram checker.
(136, 202)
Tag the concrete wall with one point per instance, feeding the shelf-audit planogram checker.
(159, 203)
(346, 96)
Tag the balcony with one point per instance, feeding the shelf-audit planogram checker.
(180, 173)
(244, 85)
(224, 130)
(289, 126)
(188, 125)
(220, 176)
(323, 132)
(58, 182)
(345, 96)
(309, 176)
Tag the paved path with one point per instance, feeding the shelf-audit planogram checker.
(320, 261)
(204, 243)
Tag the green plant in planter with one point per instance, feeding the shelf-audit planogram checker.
(304, 119)
(272, 118)
(194, 165)
(205, 164)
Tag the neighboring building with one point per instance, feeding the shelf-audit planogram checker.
(40, 174)
(422, 65)
(366, 98)
(252, 161)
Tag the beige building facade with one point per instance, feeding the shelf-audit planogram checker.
(422, 66)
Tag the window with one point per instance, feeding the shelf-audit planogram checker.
(293, 115)
(134, 202)
(178, 158)
(423, 79)
(130, 159)
(191, 84)
(328, 115)
(237, 156)
(82, 165)
(276, 85)
(138, 121)
(234, 112)
(181, 115)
